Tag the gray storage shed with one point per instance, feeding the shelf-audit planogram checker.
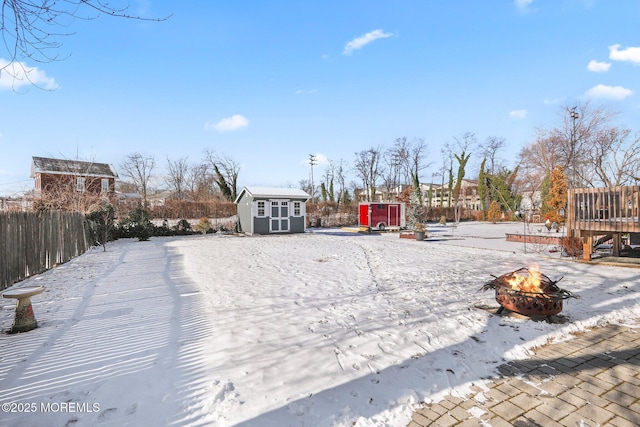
(264, 210)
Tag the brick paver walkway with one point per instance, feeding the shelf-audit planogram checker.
(591, 380)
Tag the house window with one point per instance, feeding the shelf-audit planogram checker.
(261, 209)
(81, 184)
(297, 209)
(104, 185)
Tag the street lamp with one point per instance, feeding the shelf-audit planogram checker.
(574, 117)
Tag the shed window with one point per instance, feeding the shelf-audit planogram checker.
(297, 209)
(261, 209)
(104, 185)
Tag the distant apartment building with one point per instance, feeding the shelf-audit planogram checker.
(433, 195)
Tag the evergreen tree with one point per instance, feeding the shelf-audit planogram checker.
(557, 196)
(103, 221)
(462, 164)
(450, 185)
(323, 192)
(332, 197)
(222, 183)
(500, 189)
(494, 214)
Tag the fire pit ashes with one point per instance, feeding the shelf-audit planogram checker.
(529, 292)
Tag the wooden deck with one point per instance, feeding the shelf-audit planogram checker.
(595, 212)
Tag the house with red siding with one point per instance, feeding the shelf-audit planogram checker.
(52, 175)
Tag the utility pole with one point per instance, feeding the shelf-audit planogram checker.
(312, 162)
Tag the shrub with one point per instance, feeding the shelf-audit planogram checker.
(571, 246)
(183, 227)
(163, 230)
(204, 226)
(137, 224)
(102, 225)
(494, 214)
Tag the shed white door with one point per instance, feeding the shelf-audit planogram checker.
(279, 222)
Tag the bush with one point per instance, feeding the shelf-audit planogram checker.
(571, 246)
(182, 228)
(102, 225)
(494, 214)
(138, 225)
(204, 226)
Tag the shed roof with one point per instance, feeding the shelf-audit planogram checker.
(274, 193)
(71, 167)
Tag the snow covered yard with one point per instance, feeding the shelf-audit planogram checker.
(321, 329)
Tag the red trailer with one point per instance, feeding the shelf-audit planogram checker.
(381, 215)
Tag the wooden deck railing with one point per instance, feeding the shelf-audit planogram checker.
(604, 210)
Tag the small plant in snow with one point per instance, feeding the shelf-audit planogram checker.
(204, 226)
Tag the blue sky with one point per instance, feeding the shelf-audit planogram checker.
(269, 82)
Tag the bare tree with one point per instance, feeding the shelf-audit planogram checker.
(391, 172)
(200, 183)
(178, 176)
(544, 153)
(32, 29)
(340, 177)
(63, 194)
(415, 164)
(305, 184)
(400, 154)
(408, 160)
(328, 179)
(613, 159)
(139, 167)
(368, 169)
(591, 150)
(490, 151)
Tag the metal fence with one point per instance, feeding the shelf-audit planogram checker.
(33, 242)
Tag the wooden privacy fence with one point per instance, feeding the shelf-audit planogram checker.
(32, 242)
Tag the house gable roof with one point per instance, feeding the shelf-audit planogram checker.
(273, 193)
(71, 167)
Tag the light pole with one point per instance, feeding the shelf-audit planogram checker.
(571, 201)
(574, 117)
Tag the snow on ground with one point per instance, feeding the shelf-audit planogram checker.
(326, 328)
